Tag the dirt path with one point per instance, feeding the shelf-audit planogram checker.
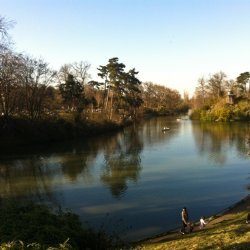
(225, 215)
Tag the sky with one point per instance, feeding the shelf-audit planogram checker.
(170, 42)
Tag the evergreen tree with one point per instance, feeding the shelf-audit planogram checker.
(72, 93)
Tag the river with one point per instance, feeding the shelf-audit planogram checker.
(134, 183)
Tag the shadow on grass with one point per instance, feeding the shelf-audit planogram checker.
(236, 246)
(240, 246)
(175, 236)
(241, 230)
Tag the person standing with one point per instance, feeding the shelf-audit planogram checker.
(184, 219)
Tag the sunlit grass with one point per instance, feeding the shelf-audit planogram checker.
(230, 233)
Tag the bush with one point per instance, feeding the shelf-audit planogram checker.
(27, 224)
(224, 112)
(196, 114)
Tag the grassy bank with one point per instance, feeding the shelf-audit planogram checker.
(226, 231)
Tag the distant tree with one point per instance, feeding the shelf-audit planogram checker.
(160, 98)
(103, 86)
(131, 93)
(112, 74)
(36, 78)
(172, 100)
(232, 85)
(243, 79)
(52, 99)
(72, 79)
(5, 25)
(10, 81)
(72, 93)
(62, 74)
(216, 85)
(80, 70)
(186, 97)
(201, 92)
(149, 95)
(120, 89)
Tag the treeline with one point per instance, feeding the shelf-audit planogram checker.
(220, 99)
(30, 89)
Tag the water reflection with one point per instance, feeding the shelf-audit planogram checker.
(122, 161)
(216, 139)
(26, 178)
(79, 159)
(35, 173)
(76, 164)
(151, 130)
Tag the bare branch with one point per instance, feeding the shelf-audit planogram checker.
(5, 25)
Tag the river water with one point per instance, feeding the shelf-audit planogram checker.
(134, 183)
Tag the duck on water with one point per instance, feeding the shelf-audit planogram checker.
(165, 128)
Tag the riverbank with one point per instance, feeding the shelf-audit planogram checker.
(225, 230)
(23, 132)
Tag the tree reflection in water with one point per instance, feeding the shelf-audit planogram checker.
(29, 178)
(212, 138)
(122, 161)
(80, 160)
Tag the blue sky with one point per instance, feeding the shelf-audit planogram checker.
(170, 42)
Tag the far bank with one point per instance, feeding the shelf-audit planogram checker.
(21, 132)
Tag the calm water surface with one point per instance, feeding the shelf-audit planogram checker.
(135, 182)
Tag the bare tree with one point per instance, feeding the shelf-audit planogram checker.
(63, 73)
(201, 92)
(216, 84)
(72, 79)
(10, 75)
(36, 78)
(160, 98)
(80, 71)
(5, 25)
